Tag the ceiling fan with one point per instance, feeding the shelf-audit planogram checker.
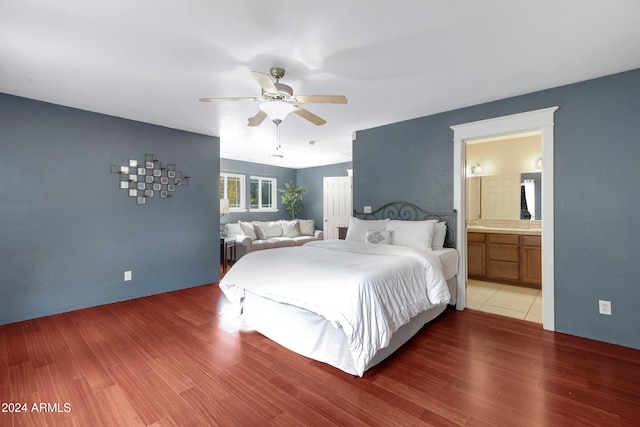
(278, 100)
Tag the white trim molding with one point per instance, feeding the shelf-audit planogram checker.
(538, 120)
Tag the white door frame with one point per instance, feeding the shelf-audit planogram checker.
(517, 123)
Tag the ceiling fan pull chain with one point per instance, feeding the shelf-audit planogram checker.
(277, 122)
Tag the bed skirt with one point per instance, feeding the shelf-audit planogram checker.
(313, 336)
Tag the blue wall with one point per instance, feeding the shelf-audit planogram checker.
(68, 233)
(597, 149)
(407, 161)
(312, 180)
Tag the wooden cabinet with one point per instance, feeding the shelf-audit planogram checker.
(476, 254)
(531, 260)
(505, 258)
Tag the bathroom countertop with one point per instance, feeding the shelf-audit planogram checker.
(505, 230)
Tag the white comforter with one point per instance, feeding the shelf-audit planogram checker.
(367, 290)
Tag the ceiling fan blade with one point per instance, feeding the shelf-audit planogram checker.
(265, 82)
(321, 99)
(305, 114)
(228, 99)
(257, 119)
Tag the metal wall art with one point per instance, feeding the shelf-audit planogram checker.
(147, 179)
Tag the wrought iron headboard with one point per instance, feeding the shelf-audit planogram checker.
(406, 211)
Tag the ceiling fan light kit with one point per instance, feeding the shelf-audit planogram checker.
(278, 100)
(276, 110)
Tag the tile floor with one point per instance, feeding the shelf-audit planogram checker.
(506, 300)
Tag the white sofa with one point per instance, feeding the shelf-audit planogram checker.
(256, 235)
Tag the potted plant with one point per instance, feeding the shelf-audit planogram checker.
(292, 197)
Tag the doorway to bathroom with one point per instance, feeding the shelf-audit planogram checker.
(503, 225)
(538, 120)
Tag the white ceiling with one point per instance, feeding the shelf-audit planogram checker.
(150, 60)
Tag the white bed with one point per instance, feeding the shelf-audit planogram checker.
(346, 303)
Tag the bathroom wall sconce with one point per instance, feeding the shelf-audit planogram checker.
(476, 169)
(145, 179)
(539, 163)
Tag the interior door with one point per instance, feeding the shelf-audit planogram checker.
(337, 204)
(500, 196)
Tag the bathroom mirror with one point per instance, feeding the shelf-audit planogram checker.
(530, 196)
(508, 196)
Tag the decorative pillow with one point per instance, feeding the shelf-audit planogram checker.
(439, 235)
(234, 228)
(380, 237)
(260, 233)
(307, 227)
(358, 228)
(415, 234)
(290, 228)
(271, 228)
(248, 230)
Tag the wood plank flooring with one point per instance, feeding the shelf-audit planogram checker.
(165, 360)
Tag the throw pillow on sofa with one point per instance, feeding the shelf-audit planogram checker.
(290, 228)
(260, 233)
(307, 227)
(271, 228)
(248, 230)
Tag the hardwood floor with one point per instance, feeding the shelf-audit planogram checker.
(166, 360)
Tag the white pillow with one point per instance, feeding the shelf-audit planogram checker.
(290, 228)
(307, 227)
(248, 230)
(271, 228)
(234, 228)
(439, 235)
(415, 234)
(358, 228)
(381, 237)
(260, 233)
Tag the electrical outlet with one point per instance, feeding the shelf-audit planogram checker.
(367, 209)
(127, 275)
(605, 307)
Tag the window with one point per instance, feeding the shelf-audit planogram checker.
(232, 189)
(262, 194)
